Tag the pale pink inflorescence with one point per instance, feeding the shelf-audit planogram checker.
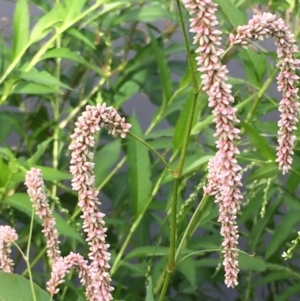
(8, 235)
(60, 265)
(36, 191)
(224, 178)
(94, 118)
(63, 266)
(268, 24)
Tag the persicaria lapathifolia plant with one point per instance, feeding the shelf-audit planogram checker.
(224, 178)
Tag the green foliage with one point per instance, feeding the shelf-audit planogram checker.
(16, 287)
(74, 53)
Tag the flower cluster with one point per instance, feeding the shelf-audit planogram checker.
(224, 178)
(94, 118)
(269, 25)
(36, 191)
(63, 266)
(7, 236)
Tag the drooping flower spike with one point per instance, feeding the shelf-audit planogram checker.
(224, 177)
(63, 266)
(8, 235)
(94, 118)
(258, 27)
(36, 191)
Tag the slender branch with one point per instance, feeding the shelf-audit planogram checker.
(152, 149)
(178, 171)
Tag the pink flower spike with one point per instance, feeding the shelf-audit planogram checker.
(81, 168)
(223, 170)
(287, 80)
(8, 235)
(63, 266)
(36, 191)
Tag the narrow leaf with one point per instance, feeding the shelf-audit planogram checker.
(72, 9)
(105, 158)
(21, 28)
(66, 53)
(282, 231)
(34, 89)
(40, 151)
(78, 35)
(180, 128)
(51, 174)
(43, 78)
(164, 71)
(251, 263)
(235, 16)
(149, 291)
(264, 172)
(139, 169)
(46, 22)
(261, 144)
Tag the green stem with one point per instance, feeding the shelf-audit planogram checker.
(64, 122)
(192, 224)
(260, 94)
(152, 149)
(56, 113)
(178, 171)
(136, 223)
(26, 258)
(34, 261)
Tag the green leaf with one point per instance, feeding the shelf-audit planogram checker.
(163, 68)
(11, 122)
(66, 53)
(139, 169)
(4, 174)
(282, 231)
(192, 163)
(40, 151)
(259, 63)
(180, 127)
(72, 9)
(235, 16)
(147, 251)
(289, 292)
(251, 263)
(43, 78)
(149, 291)
(15, 287)
(150, 251)
(33, 88)
(46, 22)
(261, 144)
(21, 28)
(266, 171)
(104, 159)
(78, 35)
(146, 13)
(51, 174)
(275, 276)
(130, 87)
(188, 269)
(21, 202)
